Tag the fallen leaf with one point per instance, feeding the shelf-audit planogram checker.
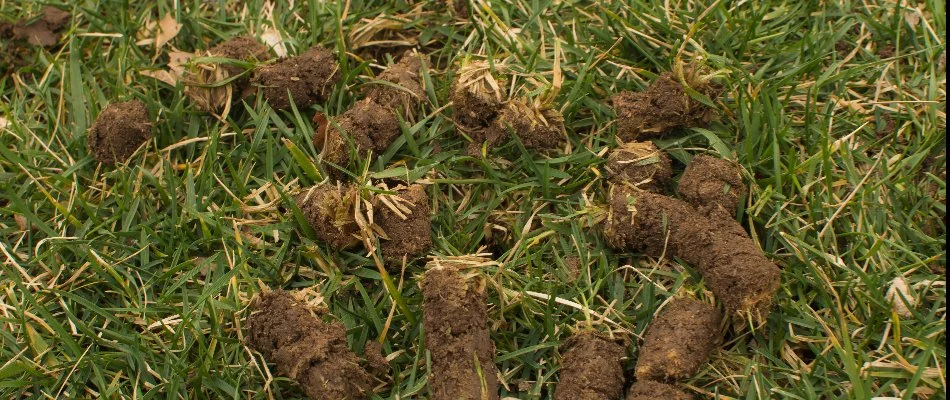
(271, 37)
(161, 75)
(168, 28)
(901, 297)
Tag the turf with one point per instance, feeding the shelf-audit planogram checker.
(134, 282)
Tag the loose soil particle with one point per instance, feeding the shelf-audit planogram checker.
(120, 129)
(647, 390)
(306, 349)
(399, 87)
(591, 368)
(457, 335)
(410, 236)
(734, 267)
(640, 163)
(329, 210)
(679, 341)
(308, 78)
(661, 108)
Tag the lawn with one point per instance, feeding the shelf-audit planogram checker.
(134, 281)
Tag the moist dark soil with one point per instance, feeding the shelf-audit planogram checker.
(537, 128)
(308, 78)
(734, 267)
(457, 335)
(120, 129)
(43, 31)
(399, 87)
(641, 164)
(662, 108)
(330, 211)
(591, 368)
(410, 236)
(306, 349)
(214, 98)
(647, 390)
(372, 126)
(679, 341)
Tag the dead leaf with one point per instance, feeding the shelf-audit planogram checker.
(161, 75)
(4, 123)
(168, 28)
(901, 297)
(272, 38)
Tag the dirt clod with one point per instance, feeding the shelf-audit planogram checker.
(538, 128)
(372, 126)
(679, 341)
(662, 108)
(118, 131)
(330, 211)
(409, 234)
(591, 368)
(457, 334)
(476, 107)
(640, 163)
(204, 84)
(734, 267)
(407, 94)
(647, 390)
(712, 182)
(333, 146)
(306, 349)
(308, 78)
(714, 186)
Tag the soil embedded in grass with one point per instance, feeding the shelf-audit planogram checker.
(399, 87)
(205, 84)
(406, 223)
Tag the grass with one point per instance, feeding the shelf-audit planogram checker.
(133, 282)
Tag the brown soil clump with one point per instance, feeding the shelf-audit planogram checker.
(332, 145)
(120, 129)
(591, 368)
(475, 108)
(372, 126)
(538, 128)
(308, 78)
(734, 267)
(641, 164)
(710, 182)
(679, 341)
(204, 85)
(306, 349)
(457, 334)
(407, 94)
(329, 210)
(647, 390)
(662, 108)
(408, 234)
(44, 31)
